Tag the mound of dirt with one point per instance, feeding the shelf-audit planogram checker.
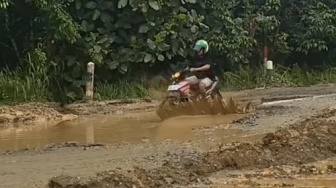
(110, 107)
(307, 141)
(103, 180)
(57, 147)
(28, 113)
(34, 113)
(304, 142)
(165, 176)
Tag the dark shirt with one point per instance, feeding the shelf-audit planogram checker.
(197, 61)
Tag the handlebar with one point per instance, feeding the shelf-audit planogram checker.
(185, 71)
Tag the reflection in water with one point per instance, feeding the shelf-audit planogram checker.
(89, 134)
(116, 129)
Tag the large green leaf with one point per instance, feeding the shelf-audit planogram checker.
(169, 55)
(190, 1)
(174, 3)
(151, 44)
(143, 28)
(93, 36)
(96, 14)
(144, 8)
(72, 95)
(204, 27)
(153, 4)
(134, 3)
(160, 57)
(97, 48)
(78, 5)
(78, 83)
(163, 47)
(182, 16)
(85, 26)
(110, 41)
(147, 58)
(91, 5)
(194, 29)
(106, 5)
(175, 46)
(123, 68)
(71, 61)
(76, 71)
(180, 52)
(112, 64)
(98, 58)
(105, 17)
(194, 14)
(102, 39)
(122, 3)
(101, 30)
(88, 39)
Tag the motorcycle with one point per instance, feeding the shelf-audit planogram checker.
(180, 90)
(182, 98)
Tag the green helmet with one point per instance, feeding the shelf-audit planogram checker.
(201, 45)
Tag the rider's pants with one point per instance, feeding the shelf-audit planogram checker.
(194, 80)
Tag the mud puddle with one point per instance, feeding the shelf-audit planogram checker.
(144, 127)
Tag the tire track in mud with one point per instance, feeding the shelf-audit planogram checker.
(307, 141)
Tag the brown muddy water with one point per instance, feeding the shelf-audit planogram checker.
(144, 127)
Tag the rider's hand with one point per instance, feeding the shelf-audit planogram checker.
(193, 69)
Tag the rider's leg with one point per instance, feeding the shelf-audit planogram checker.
(204, 83)
(193, 80)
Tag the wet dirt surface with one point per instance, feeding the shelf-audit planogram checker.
(51, 113)
(284, 141)
(31, 114)
(304, 142)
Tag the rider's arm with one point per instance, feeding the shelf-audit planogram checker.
(206, 66)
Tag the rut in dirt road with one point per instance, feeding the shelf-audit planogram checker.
(307, 141)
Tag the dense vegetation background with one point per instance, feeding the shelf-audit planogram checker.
(46, 44)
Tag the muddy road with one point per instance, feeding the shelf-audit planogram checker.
(281, 144)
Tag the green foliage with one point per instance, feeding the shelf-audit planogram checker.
(17, 86)
(55, 39)
(4, 4)
(257, 77)
(118, 36)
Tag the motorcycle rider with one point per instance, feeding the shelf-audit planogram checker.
(202, 65)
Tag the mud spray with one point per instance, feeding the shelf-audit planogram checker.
(217, 106)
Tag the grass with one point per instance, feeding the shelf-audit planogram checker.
(249, 78)
(15, 86)
(18, 87)
(121, 90)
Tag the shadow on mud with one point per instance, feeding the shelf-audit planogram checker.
(306, 141)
